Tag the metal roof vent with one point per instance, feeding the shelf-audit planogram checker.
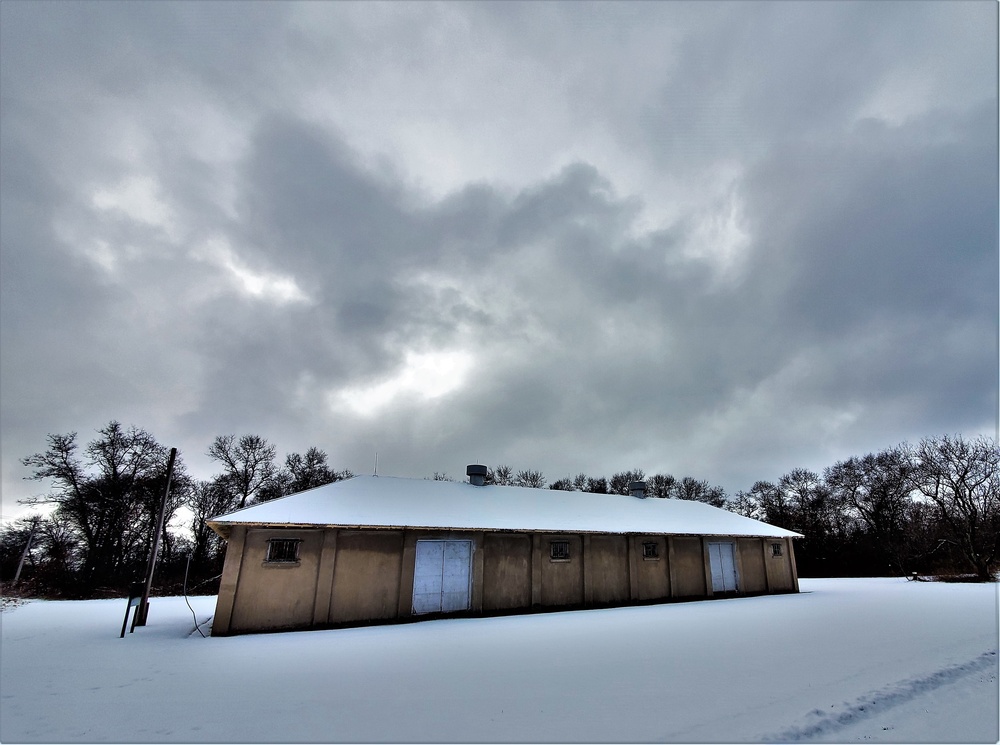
(637, 489)
(476, 474)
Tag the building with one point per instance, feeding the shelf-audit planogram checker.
(377, 549)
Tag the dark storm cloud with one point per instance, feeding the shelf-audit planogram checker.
(880, 230)
(758, 236)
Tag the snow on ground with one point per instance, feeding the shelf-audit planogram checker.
(846, 660)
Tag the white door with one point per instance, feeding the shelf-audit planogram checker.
(442, 576)
(723, 561)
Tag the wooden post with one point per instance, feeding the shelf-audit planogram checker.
(738, 561)
(790, 548)
(407, 568)
(632, 565)
(151, 566)
(324, 577)
(707, 566)
(478, 569)
(536, 569)
(671, 567)
(767, 567)
(228, 585)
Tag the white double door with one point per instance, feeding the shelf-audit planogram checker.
(723, 561)
(442, 576)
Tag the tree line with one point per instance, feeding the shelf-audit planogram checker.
(660, 485)
(927, 508)
(930, 508)
(104, 500)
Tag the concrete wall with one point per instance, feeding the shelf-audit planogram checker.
(652, 574)
(687, 567)
(366, 576)
(346, 576)
(781, 572)
(276, 596)
(506, 571)
(606, 565)
(753, 576)
(560, 582)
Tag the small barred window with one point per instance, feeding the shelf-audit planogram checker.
(650, 550)
(282, 550)
(775, 549)
(559, 550)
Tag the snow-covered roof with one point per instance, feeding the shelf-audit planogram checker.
(388, 502)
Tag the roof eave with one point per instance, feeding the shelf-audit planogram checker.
(224, 529)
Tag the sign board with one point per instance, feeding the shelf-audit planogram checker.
(135, 593)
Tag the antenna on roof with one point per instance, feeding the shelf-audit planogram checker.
(376, 464)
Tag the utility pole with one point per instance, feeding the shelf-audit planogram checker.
(24, 554)
(140, 616)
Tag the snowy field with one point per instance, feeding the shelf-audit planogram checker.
(873, 660)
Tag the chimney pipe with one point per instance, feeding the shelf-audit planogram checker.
(637, 489)
(476, 474)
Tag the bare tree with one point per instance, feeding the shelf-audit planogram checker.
(248, 466)
(500, 476)
(61, 550)
(530, 479)
(619, 483)
(661, 485)
(876, 489)
(16, 540)
(962, 479)
(208, 499)
(773, 505)
(700, 491)
(818, 513)
(46, 551)
(109, 496)
(744, 503)
(309, 470)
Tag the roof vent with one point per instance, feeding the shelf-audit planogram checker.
(476, 474)
(637, 489)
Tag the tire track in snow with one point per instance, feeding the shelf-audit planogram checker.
(883, 699)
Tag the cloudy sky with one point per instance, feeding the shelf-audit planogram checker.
(711, 239)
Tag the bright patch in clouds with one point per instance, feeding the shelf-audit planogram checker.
(255, 283)
(424, 376)
(137, 198)
(101, 253)
(721, 236)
